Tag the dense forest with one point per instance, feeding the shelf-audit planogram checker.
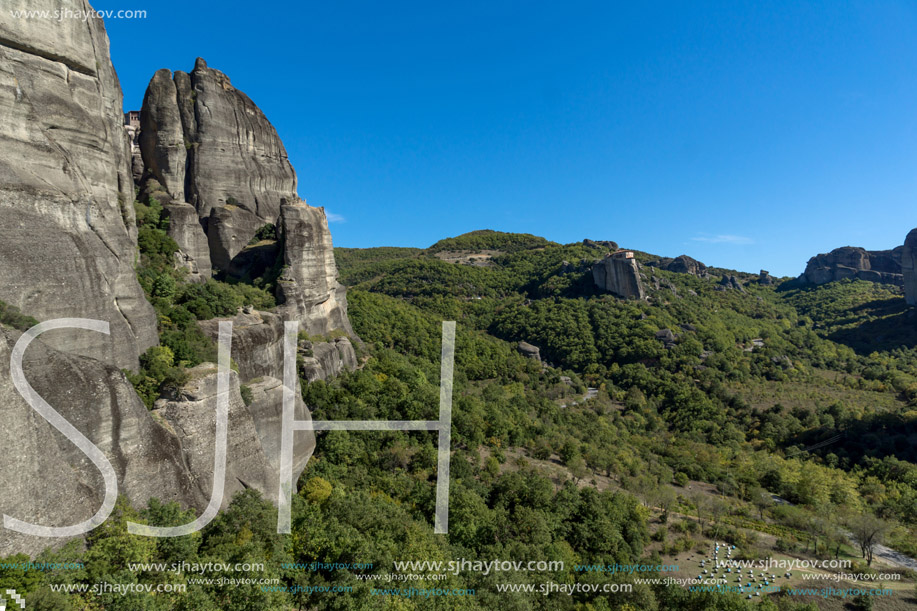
(779, 418)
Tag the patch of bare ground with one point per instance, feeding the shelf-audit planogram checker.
(478, 258)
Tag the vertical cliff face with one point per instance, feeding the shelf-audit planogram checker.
(856, 263)
(209, 145)
(46, 479)
(619, 275)
(909, 267)
(308, 289)
(69, 242)
(206, 143)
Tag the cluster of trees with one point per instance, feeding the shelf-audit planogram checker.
(179, 305)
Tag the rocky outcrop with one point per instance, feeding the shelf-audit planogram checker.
(765, 278)
(530, 351)
(682, 264)
(855, 263)
(185, 228)
(46, 479)
(320, 360)
(229, 229)
(619, 274)
(210, 145)
(253, 432)
(730, 282)
(308, 289)
(601, 244)
(257, 348)
(909, 267)
(266, 409)
(69, 237)
(162, 137)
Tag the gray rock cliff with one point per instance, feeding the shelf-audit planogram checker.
(620, 275)
(47, 479)
(308, 289)
(854, 262)
(69, 241)
(909, 267)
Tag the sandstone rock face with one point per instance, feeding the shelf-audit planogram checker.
(257, 348)
(266, 409)
(308, 288)
(229, 230)
(324, 360)
(191, 413)
(162, 138)
(909, 267)
(47, 479)
(253, 436)
(210, 145)
(854, 262)
(65, 184)
(185, 228)
(619, 275)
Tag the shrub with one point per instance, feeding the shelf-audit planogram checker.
(12, 317)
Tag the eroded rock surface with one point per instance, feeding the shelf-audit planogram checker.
(308, 289)
(69, 239)
(620, 275)
(909, 267)
(47, 480)
(854, 262)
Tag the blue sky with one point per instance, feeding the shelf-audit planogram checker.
(746, 134)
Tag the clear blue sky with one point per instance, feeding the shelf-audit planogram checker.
(745, 134)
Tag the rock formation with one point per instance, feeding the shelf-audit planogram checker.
(619, 274)
(47, 480)
(308, 289)
(603, 244)
(185, 228)
(253, 432)
(909, 267)
(854, 262)
(730, 282)
(209, 145)
(530, 351)
(764, 277)
(682, 264)
(69, 242)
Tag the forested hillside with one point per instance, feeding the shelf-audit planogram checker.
(770, 418)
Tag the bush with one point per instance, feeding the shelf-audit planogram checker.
(265, 232)
(246, 393)
(12, 317)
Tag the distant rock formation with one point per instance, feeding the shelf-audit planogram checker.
(765, 278)
(730, 282)
(530, 351)
(682, 264)
(619, 274)
(603, 244)
(909, 267)
(209, 145)
(69, 235)
(854, 262)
